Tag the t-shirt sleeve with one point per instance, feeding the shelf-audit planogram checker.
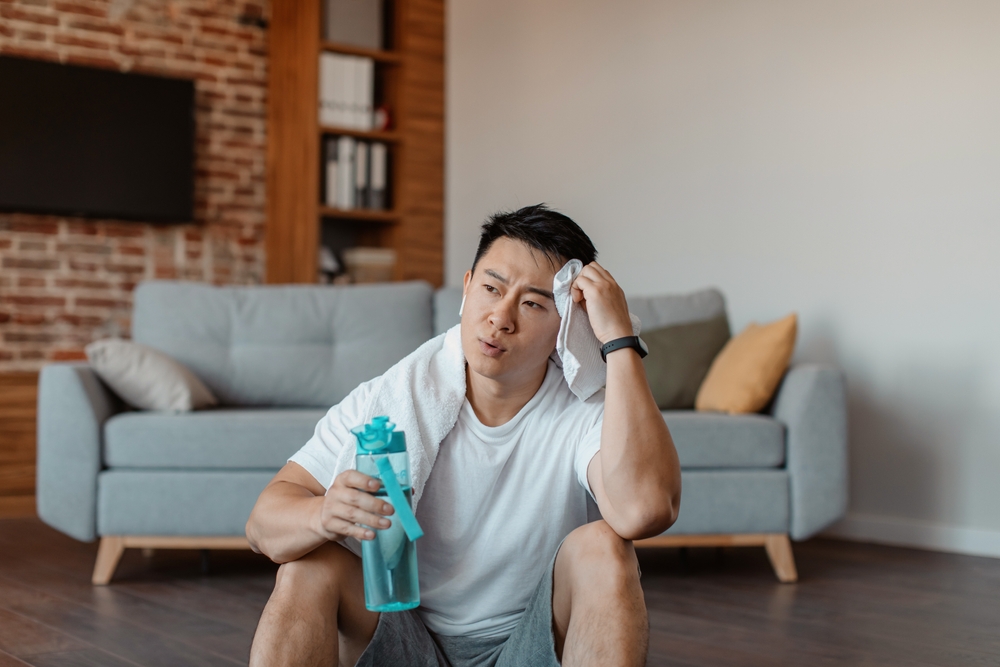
(589, 445)
(333, 432)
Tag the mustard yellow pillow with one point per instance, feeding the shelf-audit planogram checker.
(746, 372)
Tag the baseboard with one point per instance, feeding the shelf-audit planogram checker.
(919, 534)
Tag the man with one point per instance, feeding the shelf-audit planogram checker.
(510, 571)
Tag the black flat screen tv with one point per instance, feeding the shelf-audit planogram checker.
(90, 142)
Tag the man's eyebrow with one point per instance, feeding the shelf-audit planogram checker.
(533, 290)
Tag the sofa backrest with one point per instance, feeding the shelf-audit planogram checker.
(283, 345)
(655, 312)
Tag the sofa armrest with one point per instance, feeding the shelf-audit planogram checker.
(73, 405)
(812, 404)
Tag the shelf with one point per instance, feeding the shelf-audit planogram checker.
(388, 136)
(361, 214)
(384, 57)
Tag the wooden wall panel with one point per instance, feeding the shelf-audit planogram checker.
(293, 142)
(18, 401)
(420, 237)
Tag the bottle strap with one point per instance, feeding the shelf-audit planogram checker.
(403, 509)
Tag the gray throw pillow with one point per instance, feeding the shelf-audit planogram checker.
(679, 359)
(147, 378)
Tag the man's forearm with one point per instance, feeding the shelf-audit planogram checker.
(284, 523)
(639, 466)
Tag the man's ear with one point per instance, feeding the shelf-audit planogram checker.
(465, 290)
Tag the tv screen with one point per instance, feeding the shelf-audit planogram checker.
(98, 143)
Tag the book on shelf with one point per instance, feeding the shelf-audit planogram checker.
(355, 22)
(346, 91)
(330, 150)
(357, 174)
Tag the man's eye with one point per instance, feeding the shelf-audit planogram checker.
(531, 304)
(490, 288)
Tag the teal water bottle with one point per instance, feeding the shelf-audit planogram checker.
(389, 561)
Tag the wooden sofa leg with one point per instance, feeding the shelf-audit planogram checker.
(779, 551)
(108, 554)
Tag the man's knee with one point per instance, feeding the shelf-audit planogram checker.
(323, 571)
(595, 553)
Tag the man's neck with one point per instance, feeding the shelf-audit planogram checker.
(496, 403)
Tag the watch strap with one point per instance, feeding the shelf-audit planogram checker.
(619, 343)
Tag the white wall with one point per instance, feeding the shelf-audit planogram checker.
(840, 159)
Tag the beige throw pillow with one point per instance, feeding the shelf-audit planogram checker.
(747, 371)
(146, 378)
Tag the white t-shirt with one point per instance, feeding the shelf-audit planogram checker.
(496, 505)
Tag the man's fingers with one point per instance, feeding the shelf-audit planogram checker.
(365, 501)
(348, 529)
(357, 480)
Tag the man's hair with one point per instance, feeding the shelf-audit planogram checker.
(541, 228)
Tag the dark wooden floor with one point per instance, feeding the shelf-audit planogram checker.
(854, 605)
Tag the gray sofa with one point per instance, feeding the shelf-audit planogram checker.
(278, 357)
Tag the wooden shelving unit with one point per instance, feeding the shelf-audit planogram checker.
(411, 78)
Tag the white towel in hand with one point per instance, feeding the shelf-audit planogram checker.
(578, 348)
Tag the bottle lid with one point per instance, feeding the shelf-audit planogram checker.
(378, 437)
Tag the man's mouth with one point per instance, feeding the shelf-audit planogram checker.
(491, 347)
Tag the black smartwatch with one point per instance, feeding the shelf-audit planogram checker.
(634, 342)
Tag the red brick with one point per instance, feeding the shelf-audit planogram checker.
(76, 8)
(77, 265)
(93, 26)
(32, 35)
(6, 31)
(5, 243)
(28, 355)
(4, 317)
(124, 268)
(86, 228)
(81, 320)
(69, 40)
(84, 248)
(70, 283)
(35, 227)
(16, 14)
(27, 281)
(68, 355)
(36, 54)
(165, 273)
(129, 230)
(142, 36)
(88, 61)
(6, 356)
(29, 337)
(93, 302)
(30, 319)
(37, 264)
(22, 300)
(31, 246)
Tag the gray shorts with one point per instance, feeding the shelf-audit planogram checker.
(402, 640)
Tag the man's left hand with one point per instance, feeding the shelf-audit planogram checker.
(604, 302)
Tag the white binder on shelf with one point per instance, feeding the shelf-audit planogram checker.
(328, 63)
(345, 172)
(330, 193)
(378, 176)
(361, 175)
(364, 91)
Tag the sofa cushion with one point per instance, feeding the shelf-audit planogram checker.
(283, 345)
(705, 440)
(226, 438)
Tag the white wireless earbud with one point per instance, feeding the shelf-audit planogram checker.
(462, 307)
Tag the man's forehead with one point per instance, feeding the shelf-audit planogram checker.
(513, 258)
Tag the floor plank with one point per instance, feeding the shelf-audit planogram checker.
(854, 604)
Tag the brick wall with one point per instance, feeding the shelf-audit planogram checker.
(67, 281)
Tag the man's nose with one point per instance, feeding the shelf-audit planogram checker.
(502, 316)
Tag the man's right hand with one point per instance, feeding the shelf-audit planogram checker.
(295, 514)
(350, 502)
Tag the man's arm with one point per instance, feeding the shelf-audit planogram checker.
(295, 514)
(636, 476)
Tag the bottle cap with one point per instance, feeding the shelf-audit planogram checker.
(378, 437)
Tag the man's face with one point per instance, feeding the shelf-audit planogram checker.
(509, 323)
